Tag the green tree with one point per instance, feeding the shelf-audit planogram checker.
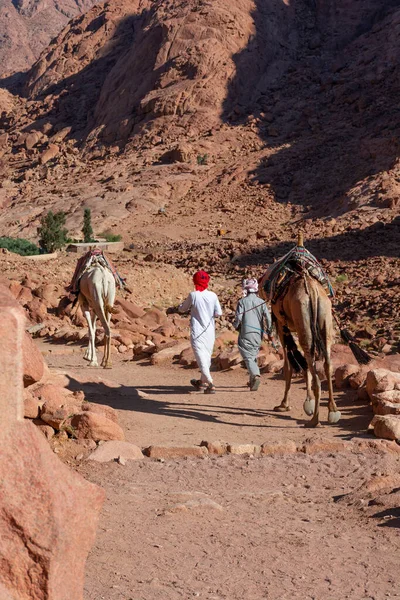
(52, 233)
(87, 229)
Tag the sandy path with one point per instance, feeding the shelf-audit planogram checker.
(157, 405)
(232, 528)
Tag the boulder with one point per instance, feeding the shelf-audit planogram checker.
(175, 451)
(34, 365)
(386, 403)
(381, 380)
(94, 426)
(154, 318)
(101, 409)
(129, 308)
(113, 450)
(228, 358)
(187, 358)
(32, 405)
(217, 448)
(279, 447)
(167, 355)
(387, 427)
(343, 373)
(51, 152)
(48, 514)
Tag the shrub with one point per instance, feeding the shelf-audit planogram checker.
(342, 278)
(52, 234)
(87, 229)
(202, 159)
(19, 246)
(111, 237)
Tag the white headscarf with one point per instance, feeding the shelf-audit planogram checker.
(249, 286)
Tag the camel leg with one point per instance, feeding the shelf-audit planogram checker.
(287, 371)
(106, 362)
(333, 413)
(309, 403)
(316, 387)
(92, 353)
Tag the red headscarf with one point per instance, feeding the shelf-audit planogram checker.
(200, 280)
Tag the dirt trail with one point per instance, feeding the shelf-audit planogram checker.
(156, 405)
(229, 527)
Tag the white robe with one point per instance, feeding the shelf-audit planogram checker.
(204, 307)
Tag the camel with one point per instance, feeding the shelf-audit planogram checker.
(305, 308)
(96, 297)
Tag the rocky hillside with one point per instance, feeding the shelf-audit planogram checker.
(27, 26)
(175, 120)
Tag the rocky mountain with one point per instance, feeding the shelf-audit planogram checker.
(274, 110)
(27, 26)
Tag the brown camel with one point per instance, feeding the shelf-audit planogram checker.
(306, 310)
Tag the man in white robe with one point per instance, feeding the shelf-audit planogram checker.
(204, 306)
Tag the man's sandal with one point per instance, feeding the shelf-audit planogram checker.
(210, 389)
(197, 384)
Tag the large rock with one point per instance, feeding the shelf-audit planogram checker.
(96, 427)
(386, 403)
(343, 373)
(48, 520)
(34, 365)
(129, 308)
(387, 427)
(381, 380)
(48, 514)
(113, 450)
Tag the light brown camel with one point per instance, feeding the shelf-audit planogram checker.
(306, 309)
(96, 297)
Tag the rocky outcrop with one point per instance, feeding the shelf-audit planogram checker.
(48, 514)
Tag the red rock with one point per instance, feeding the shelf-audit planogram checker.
(188, 358)
(101, 409)
(129, 308)
(218, 448)
(229, 358)
(387, 427)
(32, 405)
(34, 366)
(279, 447)
(168, 354)
(154, 318)
(243, 449)
(314, 446)
(44, 428)
(51, 152)
(381, 380)
(25, 296)
(94, 426)
(175, 451)
(48, 514)
(343, 373)
(113, 450)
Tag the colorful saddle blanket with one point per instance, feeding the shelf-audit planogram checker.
(297, 261)
(84, 263)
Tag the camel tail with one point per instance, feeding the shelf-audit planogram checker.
(294, 355)
(318, 347)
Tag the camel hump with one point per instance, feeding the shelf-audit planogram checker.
(300, 240)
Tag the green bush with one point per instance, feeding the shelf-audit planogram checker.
(202, 159)
(111, 237)
(87, 229)
(52, 233)
(19, 246)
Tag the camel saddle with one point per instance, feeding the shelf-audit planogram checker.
(84, 263)
(295, 263)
